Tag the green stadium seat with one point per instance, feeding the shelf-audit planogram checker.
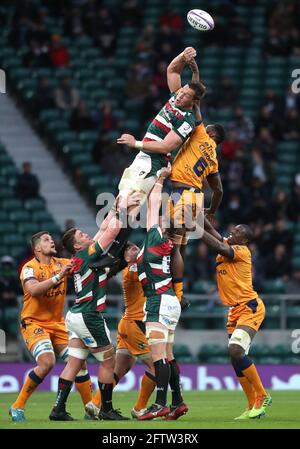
(89, 170)
(49, 114)
(64, 137)
(20, 216)
(273, 286)
(28, 228)
(43, 215)
(77, 160)
(13, 239)
(12, 204)
(55, 126)
(34, 204)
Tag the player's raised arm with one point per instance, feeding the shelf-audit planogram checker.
(39, 288)
(167, 145)
(218, 246)
(118, 220)
(211, 230)
(195, 71)
(215, 184)
(176, 66)
(154, 200)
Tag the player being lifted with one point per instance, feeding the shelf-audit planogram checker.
(44, 282)
(162, 309)
(246, 310)
(172, 126)
(86, 325)
(196, 160)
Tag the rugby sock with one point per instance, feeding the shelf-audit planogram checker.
(147, 387)
(253, 377)
(248, 390)
(64, 388)
(162, 375)
(28, 388)
(84, 386)
(106, 396)
(175, 382)
(96, 399)
(178, 287)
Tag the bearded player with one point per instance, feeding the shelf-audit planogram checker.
(246, 310)
(44, 282)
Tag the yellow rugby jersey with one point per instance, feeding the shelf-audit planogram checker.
(196, 159)
(50, 307)
(134, 298)
(234, 277)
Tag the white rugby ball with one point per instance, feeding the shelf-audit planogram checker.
(200, 20)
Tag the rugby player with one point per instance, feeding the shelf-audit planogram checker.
(86, 325)
(172, 126)
(195, 162)
(131, 340)
(246, 310)
(162, 310)
(44, 282)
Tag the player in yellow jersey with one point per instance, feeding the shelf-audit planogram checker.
(246, 310)
(44, 282)
(131, 340)
(195, 162)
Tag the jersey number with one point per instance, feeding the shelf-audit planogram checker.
(77, 283)
(166, 264)
(200, 166)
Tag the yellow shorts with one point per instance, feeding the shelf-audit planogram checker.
(131, 336)
(184, 207)
(250, 314)
(34, 331)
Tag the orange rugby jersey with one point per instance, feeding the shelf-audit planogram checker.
(196, 159)
(134, 298)
(50, 307)
(234, 277)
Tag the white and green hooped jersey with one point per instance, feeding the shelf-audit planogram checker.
(170, 118)
(153, 264)
(90, 286)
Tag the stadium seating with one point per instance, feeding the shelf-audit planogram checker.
(98, 79)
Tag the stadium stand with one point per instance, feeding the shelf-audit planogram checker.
(116, 72)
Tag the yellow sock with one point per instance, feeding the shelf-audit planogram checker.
(31, 383)
(253, 377)
(147, 387)
(96, 399)
(248, 390)
(178, 288)
(85, 390)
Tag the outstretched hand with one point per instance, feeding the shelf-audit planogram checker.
(127, 139)
(189, 53)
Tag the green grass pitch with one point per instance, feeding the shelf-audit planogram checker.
(207, 410)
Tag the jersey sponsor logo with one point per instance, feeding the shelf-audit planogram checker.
(28, 273)
(38, 331)
(87, 340)
(185, 129)
(92, 249)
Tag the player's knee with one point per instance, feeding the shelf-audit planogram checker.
(236, 352)
(46, 363)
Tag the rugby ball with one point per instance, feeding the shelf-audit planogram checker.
(200, 20)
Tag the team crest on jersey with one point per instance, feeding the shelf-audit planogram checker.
(92, 249)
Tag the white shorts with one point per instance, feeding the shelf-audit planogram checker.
(90, 328)
(165, 309)
(140, 176)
